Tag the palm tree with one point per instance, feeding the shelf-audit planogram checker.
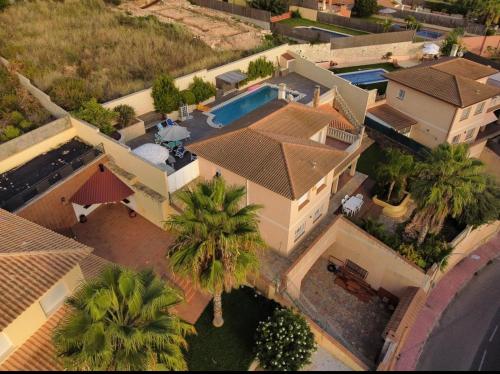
(395, 170)
(386, 24)
(217, 240)
(120, 321)
(444, 185)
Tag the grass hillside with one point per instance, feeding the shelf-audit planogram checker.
(82, 48)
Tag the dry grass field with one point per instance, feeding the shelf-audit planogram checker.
(109, 52)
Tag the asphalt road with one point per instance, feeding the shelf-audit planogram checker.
(468, 334)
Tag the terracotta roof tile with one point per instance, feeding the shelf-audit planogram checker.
(399, 121)
(275, 151)
(37, 353)
(452, 81)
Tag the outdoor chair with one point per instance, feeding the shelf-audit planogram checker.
(159, 126)
(180, 152)
(170, 122)
(359, 196)
(159, 139)
(193, 157)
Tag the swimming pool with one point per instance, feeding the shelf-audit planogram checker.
(365, 76)
(429, 34)
(237, 107)
(333, 34)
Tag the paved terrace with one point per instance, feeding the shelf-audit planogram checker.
(198, 125)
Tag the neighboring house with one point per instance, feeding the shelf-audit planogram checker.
(445, 101)
(279, 154)
(38, 270)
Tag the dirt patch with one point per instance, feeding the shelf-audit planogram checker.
(218, 29)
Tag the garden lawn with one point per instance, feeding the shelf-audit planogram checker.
(229, 347)
(370, 159)
(305, 22)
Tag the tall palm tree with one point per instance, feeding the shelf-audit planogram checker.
(396, 170)
(217, 240)
(120, 321)
(386, 24)
(446, 182)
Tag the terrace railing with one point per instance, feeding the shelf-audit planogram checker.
(18, 200)
(341, 135)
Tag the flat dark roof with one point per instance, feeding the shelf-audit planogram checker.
(19, 185)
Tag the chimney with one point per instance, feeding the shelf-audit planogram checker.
(282, 91)
(454, 50)
(101, 168)
(316, 96)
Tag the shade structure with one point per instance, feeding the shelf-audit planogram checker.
(154, 153)
(232, 77)
(431, 49)
(102, 187)
(174, 133)
(387, 11)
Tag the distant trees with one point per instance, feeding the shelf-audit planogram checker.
(412, 23)
(276, 7)
(365, 8)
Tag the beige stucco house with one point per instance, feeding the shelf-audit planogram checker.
(445, 101)
(279, 154)
(38, 270)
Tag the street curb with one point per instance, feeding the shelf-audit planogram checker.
(409, 361)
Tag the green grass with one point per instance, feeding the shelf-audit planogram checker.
(305, 22)
(229, 347)
(370, 159)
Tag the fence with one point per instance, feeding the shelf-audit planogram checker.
(239, 10)
(352, 23)
(441, 20)
(373, 39)
(311, 4)
(301, 33)
(412, 145)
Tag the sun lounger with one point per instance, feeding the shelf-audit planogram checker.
(170, 122)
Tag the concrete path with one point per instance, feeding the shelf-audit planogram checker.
(440, 298)
(461, 341)
(324, 361)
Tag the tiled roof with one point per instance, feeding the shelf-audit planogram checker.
(445, 81)
(275, 151)
(399, 121)
(37, 353)
(102, 187)
(32, 259)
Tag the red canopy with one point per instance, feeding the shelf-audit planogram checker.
(102, 187)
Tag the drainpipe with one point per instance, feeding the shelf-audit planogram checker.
(316, 96)
(454, 50)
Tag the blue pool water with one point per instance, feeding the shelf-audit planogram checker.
(364, 77)
(238, 108)
(429, 34)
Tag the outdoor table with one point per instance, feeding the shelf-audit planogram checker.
(352, 204)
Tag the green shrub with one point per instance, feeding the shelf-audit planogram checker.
(4, 4)
(70, 93)
(97, 115)
(125, 114)
(276, 7)
(284, 342)
(15, 118)
(25, 125)
(187, 97)
(202, 90)
(364, 8)
(166, 95)
(296, 14)
(113, 2)
(8, 102)
(260, 68)
(11, 132)
(454, 37)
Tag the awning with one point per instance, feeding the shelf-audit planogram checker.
(102, 187)
(232, 77)
(394, 118)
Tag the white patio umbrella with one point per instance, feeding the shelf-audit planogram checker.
(154, 153)
(431, 49)
(173, 133)
(387, 11)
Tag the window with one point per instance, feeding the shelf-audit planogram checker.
(54, 298)
(469, 133)
(479, 108)
(303, 200)
(317, 214)
(465, 114)
(299, 231)
(455, 139)
(5, 346)
(401, 94)
(320, 185)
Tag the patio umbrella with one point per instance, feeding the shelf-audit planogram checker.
(154, 153)
(174, 133)
(387, 11)
(431, 49)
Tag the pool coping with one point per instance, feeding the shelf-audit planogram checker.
(359, 71)
(322, 29)
(211, 116)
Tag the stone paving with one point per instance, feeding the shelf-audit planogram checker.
(359, 324)
(321, 360)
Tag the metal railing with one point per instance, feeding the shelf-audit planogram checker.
(341, 135)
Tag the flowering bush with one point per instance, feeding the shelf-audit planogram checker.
(284, 342)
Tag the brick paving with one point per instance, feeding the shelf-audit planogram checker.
(358, 323)
(439, 298)
(137, 244)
